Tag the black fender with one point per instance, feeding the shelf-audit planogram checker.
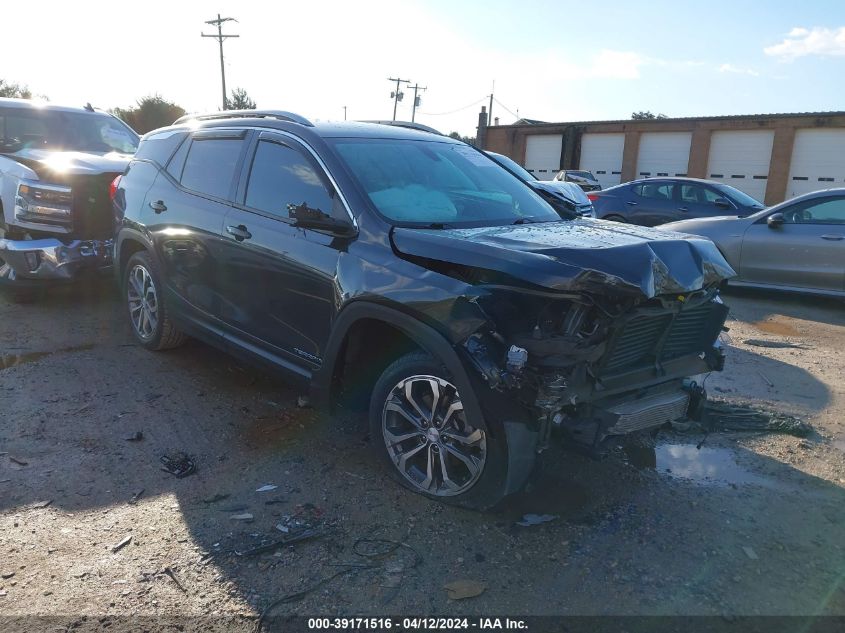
(520, 438)
(134, 235)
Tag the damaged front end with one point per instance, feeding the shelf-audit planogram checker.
(596, 367)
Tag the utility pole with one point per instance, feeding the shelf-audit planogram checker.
(220, 37)
(416, 99)
(396, 95)
(344, 113)
(490, 112)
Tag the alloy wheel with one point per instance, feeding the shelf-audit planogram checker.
(428, 438)
(143, 302)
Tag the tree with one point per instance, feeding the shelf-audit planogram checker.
(14, 90)
(647, 114)
(149, 113)
(240, 100)
(469, 140)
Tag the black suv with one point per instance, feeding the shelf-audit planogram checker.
(409, 272)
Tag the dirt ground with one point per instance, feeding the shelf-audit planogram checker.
(746, 524)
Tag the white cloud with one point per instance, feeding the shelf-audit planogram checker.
(737, 70)
(800, 42)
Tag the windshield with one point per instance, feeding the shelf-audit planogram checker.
(441, 184)
(581, 174)
(512, 165)
(26, 128)
(740, 197)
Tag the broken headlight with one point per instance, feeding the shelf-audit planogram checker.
(43, 203)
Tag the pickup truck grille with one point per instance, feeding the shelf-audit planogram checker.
(650, 336)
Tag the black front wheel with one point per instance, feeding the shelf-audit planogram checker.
(430, 441)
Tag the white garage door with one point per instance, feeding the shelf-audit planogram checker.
(542, 154)
(818, 161)
(602, 155)
(741, 159)
(663, 154)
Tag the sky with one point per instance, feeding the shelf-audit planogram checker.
(553, 61)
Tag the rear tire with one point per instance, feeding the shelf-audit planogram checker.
(421, 432)
(148, 317)
(615, 218)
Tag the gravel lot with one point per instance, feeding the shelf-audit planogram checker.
(748, 524)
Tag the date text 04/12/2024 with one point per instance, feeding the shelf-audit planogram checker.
(417, 624)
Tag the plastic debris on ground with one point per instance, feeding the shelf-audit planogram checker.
(536, 519)
(178, 464)
(724, 416)
(462, 589)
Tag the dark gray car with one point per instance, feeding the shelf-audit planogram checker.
(654, 201)
(798, 245)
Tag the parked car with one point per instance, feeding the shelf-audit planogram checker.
(580, 177)
(565, 197)
(797, 245)
(56, 165)
(654, 201)
(409, 273)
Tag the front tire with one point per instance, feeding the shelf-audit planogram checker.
(148, 317)
(615, 218)
(427, 439)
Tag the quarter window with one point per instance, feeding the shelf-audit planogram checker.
(210, 165)
(285, 183)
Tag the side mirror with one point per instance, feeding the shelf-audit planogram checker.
(305, 217)
(775, 220)
(722, 203)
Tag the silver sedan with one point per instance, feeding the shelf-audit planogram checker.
(797, 245)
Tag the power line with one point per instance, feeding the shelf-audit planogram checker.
(476, 102)
(220, 37)
(506, 108)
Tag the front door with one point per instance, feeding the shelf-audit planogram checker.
(653, 203)
(806, 251)
(279, 279)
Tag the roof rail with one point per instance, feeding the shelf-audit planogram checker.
(408, 124)
(281, 115)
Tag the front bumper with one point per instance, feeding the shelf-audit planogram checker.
(51, 258)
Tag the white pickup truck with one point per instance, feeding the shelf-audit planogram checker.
(57, 165)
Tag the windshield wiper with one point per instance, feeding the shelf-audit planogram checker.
(524, 221)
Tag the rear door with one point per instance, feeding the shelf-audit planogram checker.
(806, 251)
(653, 203)
(186, 208)
(278, 280)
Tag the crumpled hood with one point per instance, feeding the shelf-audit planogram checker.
(56, 164)
(568, 190)
(581, 255)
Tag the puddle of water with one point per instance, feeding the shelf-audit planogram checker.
(708, 466)
(13, 360)
(776, 327)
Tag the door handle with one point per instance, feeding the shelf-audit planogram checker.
(833, 237)
(631, 203)
(684, 209)
(239, 232)
(158, 206)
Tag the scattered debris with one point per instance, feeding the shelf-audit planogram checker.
(749, 551)
(766, 378)
(536, 519)
(245, 516)
(303, 402)
(175, 579)
(134, 499)
(137, 436)
(266, 488)
(38, 505)
(274, 501)
(178, 464)
(274, 545)
(216, 498)
(758, 342)
(462, 589)
(305, 516)
(5, 481)
(722, 416)
(18, 461)
(126, 541)
(6, 575)
(238, 507)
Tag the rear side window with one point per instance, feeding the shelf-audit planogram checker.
(159, 147)
(284, 182)
(210, 165)
(654, 191)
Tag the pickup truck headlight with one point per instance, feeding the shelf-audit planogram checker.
(43, 203)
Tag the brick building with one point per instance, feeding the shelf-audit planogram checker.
(769, 156)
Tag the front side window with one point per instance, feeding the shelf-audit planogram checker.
(654, 191)
(825, 212)
(285, 183)
(422, 183)
(698, 194)
(210, 165)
